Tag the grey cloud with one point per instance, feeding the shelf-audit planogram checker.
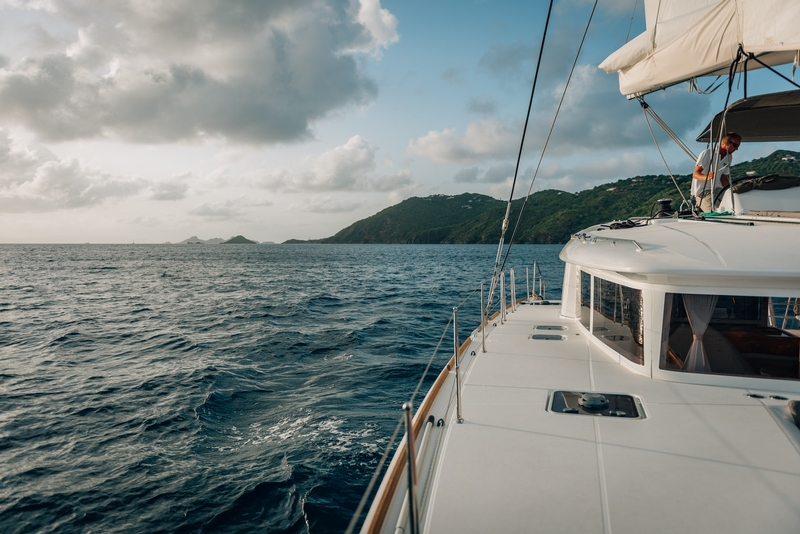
(482, 105)
(174, 189)
(595, 116)
(469, 175)
(391, 182)
(257, 72)
(499, 172)
(496, 173)
(326, 204)
(217, 211)
(454, 76)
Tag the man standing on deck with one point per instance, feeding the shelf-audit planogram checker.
(704, 185)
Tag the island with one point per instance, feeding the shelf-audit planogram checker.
(239, 240)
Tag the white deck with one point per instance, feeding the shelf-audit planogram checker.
(705, 459)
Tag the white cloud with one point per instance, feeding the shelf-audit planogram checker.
(348, 167)
(486, 138)
(259, 72)
(33, 179)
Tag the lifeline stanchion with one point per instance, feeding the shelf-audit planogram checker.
(413, 510)
(458, 367)
(502, 297)
(528, 284)
(483, 322)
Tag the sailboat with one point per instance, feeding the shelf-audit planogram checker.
(661, 392)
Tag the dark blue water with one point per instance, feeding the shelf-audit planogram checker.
(216, 388)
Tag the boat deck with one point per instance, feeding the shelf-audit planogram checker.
(704, 458)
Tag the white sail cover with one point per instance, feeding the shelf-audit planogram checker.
(685, 39)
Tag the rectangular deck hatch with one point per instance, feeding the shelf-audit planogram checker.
(596, 404)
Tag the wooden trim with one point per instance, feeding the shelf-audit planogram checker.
(397, 471)
(419, 421)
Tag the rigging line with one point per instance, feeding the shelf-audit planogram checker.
(714, 159)
(549, 133)
(674, 181)
(753, 57)
(363, 502)
(664, 126)
(627, 37)
(493, 285)
(430, 361)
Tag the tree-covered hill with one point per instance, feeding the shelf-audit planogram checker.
(549, 217)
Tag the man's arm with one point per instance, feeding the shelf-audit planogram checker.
(698, 174)
(724, 180)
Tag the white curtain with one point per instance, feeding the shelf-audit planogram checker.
(699, 308)
(668, 298)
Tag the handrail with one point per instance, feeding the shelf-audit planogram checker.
(592, 240)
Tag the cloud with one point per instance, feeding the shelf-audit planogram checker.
(173, 189)
(325, 204)
(348, 167)
(256, 72)
(486, 138)
(496, 173)
(33, 179)
(454, 76)
(392, 182)
(217, 211)
(594, 117)
(482, 105)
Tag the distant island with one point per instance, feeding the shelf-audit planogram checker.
(237, 240)
(550, 216)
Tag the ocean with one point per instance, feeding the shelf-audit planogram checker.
(218, 388)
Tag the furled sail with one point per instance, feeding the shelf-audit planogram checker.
(685, 39)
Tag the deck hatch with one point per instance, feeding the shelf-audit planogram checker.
(547, 337)
(550, 327)
(596, 404)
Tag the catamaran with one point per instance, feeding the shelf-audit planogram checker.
(661, 392)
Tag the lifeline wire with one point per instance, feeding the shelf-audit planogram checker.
(382, 461)
(547, 140)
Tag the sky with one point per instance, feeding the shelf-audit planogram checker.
(152, 121)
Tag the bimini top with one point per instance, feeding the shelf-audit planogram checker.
(771, 117)
(685, 248)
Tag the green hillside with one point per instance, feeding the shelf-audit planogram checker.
(550, 216)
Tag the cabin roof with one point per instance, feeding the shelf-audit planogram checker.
(689, 248)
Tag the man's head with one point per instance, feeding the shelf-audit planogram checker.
(730, 143)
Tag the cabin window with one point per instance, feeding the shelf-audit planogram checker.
(618, 318)
(586, 298)
(730, 335)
